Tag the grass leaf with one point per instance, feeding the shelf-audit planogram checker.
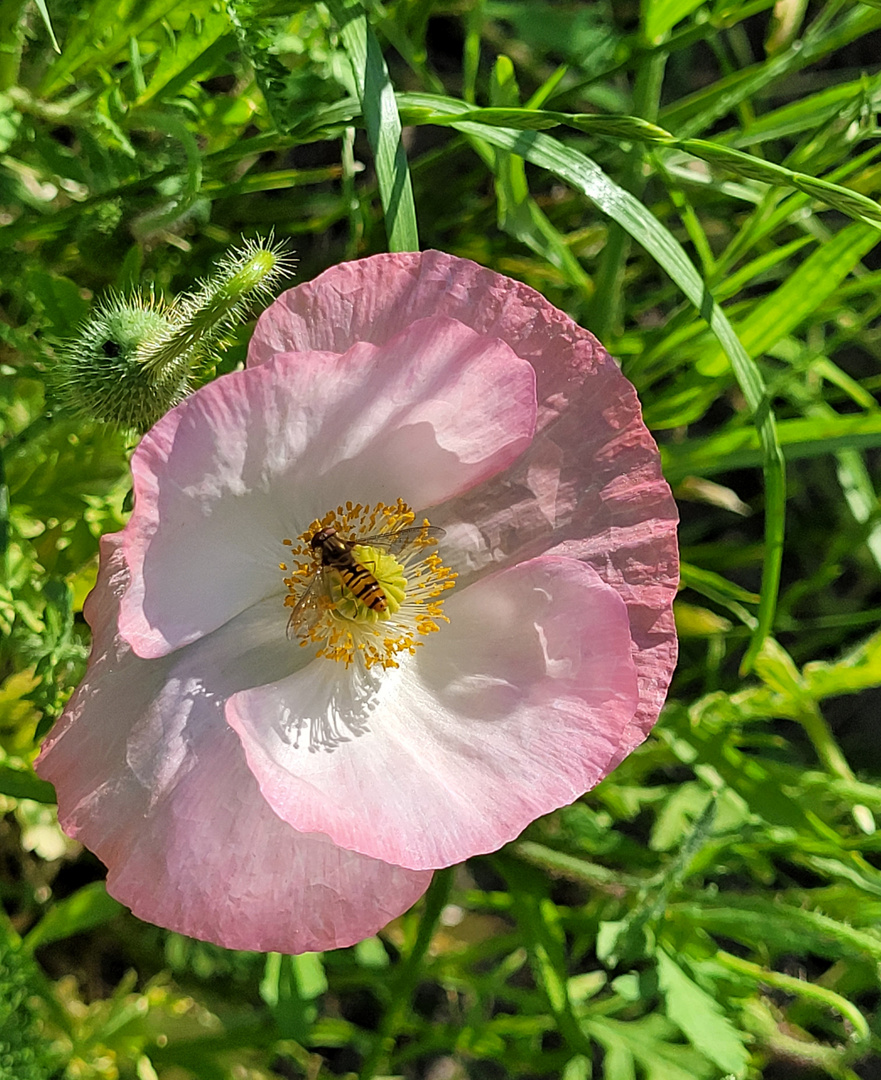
(382, 122)
(88, 907)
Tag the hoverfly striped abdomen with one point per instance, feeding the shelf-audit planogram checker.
(336, 554)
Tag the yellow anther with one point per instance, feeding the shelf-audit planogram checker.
(364, 583)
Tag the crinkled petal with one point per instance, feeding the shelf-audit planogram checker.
(514, 709)
(257, 455)
(152, 780)
(590, 485)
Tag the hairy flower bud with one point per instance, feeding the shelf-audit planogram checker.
(137, 356)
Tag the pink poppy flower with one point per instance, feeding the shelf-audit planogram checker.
(273, 753)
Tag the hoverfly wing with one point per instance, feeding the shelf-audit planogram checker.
(306, 610)
(397, 542)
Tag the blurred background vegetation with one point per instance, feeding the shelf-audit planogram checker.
(694, 180)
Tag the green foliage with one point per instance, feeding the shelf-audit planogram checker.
(697, 182)
(24, 1051)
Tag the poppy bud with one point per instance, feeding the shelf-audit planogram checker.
(137, 356)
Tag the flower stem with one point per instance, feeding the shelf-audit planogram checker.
(408, 976)
(207, 313)
(820, 734)
(800, 988)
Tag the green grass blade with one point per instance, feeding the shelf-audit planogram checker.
(806, 114)
(382, 123)
(89, 906)
(701, 110)
(23, 784)
(663, 15)
(518, 213)
(112, 23)
(742, 449)
(801, 294)
(859, 492)
(632, 128)
(47, 22)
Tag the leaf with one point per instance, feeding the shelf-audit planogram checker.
(381, 121)
(776, 668)
(698, 622)
(677, 814)
(631, 939)
(859, 669)
(650, 1042)
(662, 15)
(754, 780)
(289, 987)
(112, 23)
(60, 299)
(741, 448)
(701, 1018)
(777, 927)
(89, 906)
(714, 586)
(47, 22)
(196, 48)
(815, 280)
(23, 784)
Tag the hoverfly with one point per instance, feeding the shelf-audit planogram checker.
(336, 555)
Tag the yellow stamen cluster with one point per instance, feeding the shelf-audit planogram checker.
(385, 541)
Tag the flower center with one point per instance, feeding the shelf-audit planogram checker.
(365, 584)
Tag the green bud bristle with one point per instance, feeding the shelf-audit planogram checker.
(254, 271)
(135, 358)
(100, 372)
